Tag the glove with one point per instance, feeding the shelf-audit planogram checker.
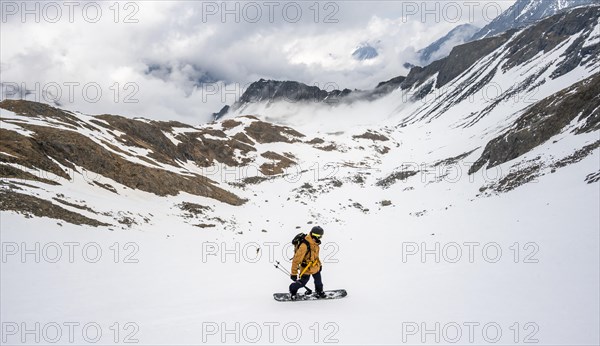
(294, 277)
(321, 269)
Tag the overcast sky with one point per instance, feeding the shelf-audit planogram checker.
(183, 60)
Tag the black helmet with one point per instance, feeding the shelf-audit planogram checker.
(317, 232)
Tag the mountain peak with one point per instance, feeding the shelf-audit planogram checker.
(526, 12)
(442, 47)
(365, 52)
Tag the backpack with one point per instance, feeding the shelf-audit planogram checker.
(297, 241)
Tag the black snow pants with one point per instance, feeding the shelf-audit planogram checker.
(295, 286)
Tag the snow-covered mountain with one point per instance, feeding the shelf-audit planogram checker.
(442, 47)
(494, 147)
(527, 12)
(365, 51)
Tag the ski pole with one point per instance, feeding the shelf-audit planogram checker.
(308, 290)
(282, 270)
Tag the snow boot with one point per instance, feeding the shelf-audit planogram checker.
(320, 294)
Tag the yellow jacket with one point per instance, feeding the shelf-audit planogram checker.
(311, 260)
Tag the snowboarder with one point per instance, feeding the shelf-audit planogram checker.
(306, 261)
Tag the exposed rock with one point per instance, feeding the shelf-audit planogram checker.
(28, 152)
(279, 164)
(168, 126)
(419, 213)
(359, 207)
(394, 177)
(576, 55)
(144, 135)
(387, 87)
(440, 48)
(328, 146)
(26, 204)
(204, 151)
(576, 156)
(240, 136)
(254, 180)
(307, 190)
(74, 205)
(592, 178)
(205, 225)
(358, 179)
(336, 183)
(15, 173)
(72, 149)
(460, 59)
(230, 123)
(372, 135)
(40, 110)
(549, 33)
(544, 120)
(193, 209)
(287, 91)
(393, 83)
(316, 141)
(221, 113)
(453, 160)
(106, 186)
(526, 12)
(383, 150)
(517, 178)
(525, 172)
(263, 132)
(127, 221)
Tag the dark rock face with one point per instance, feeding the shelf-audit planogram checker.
(577, 55)
(394, 82)
(549, 33)
(544, 36)
(287, 91)
(387, 87)
(459, 60)
(498, 54)
(544, 120)
(221, 113)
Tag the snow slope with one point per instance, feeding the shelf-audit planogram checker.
(187, 280)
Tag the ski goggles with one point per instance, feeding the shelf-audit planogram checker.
(316, 235)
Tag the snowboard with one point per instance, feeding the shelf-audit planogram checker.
(332, 294)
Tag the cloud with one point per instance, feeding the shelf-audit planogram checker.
(157, 58)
